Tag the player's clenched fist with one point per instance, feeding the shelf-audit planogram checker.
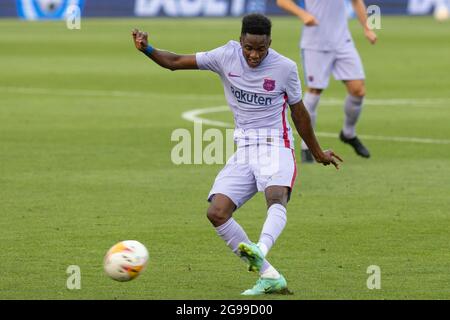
(371, 36)
(309, 20)
(140, 39)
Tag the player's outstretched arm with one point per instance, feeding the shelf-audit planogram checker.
(291, 7)
(165, 59)
(302, 122)
(361, 12)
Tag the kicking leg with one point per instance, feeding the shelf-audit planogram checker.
(220, 214)
(271, 281)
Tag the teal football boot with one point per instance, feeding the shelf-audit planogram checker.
(253, 254)
(266, 286)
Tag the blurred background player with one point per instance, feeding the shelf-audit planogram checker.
(259, 83)
(327, 48)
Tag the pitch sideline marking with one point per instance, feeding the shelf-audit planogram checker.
(435, 102)
(194, 116)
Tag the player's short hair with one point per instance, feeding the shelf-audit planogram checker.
(256, 23)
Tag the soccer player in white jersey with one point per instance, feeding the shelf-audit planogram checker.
(327, 47)
(259, 83)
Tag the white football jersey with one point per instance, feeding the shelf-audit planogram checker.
(258, 97)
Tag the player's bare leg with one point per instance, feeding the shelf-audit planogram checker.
(353, 105)
(220, 210)
(220, 213)
(356, 88)
(315, 91)
(311, 101)
(271, 281)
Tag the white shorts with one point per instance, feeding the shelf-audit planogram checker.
(344, 63)
(254, 168)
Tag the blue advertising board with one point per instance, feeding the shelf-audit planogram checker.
(45, 9)
(55, 9)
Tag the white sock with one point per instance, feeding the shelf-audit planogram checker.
(263, 248)
(352, 110)
(273, 226)
(270, 273)
(311, 102)
(233, 234)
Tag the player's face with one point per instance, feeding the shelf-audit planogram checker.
(255, 48)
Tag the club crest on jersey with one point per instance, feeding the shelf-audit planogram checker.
(269, 84)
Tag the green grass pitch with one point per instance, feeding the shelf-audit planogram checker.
(85, 126)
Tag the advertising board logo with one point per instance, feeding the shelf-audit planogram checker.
(426, 6)
(198, 8)
(45, 9)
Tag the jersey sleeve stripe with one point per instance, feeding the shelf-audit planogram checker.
(287, 143)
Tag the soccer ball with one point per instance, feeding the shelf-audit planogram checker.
(441, 13)
(126, 260)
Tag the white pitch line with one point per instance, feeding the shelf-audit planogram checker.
(194, 116)
(107, 93)
(391, 102)
(438, 102)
